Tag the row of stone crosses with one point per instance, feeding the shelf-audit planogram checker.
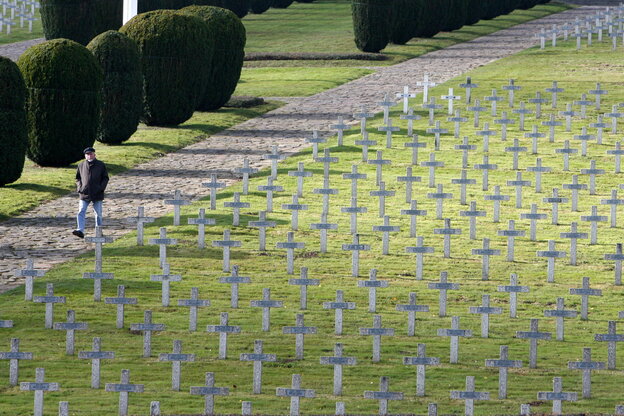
(17, 12)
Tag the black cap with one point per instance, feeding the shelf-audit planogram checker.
(88, 150)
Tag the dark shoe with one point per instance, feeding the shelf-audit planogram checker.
(78, 233)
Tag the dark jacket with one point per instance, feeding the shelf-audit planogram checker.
(91, 180)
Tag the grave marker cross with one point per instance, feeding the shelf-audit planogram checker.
(223, 329)
(469, 396)
(587, 365)
(559, 314)
(121, 301)
(49, 301)
(377, 332)
(193, 303)
(585, 292)
(454, 333)
(421, 361)
(573, 235)
(177, 202)
(617, 257)
(201, 221)
(503, 364)
(338, 360)
(209, 391)
(556, 396)
(511, 233)
(339, 305)
(299, 330)
(383, 395)
(29, 273)
(226, 244)
(266, 304)
(533, 335)
(176, 358)
(39, 387)
(258, 357)
(95, 356)
(213, 185)
(14, 356)
(485, 310)
(406, 95)
(513, 289)
(140, 221)
(69, 327)
(411, 308)
(124, 388)
(303, 282)
(162, 241)
(147, 327)
(295, 393)
(551, 254)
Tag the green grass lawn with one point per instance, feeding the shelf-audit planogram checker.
(533, 70)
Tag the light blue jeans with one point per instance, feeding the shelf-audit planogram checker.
(82, 212)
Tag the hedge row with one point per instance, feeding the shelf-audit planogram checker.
(378, 22)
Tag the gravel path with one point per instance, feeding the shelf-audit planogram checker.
(44, 233)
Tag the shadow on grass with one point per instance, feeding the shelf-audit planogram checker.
(33, 187)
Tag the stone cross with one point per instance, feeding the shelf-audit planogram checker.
(177, 202)
(98, 276)
(533, 335)
(409, 183)
(566, 151)
(201, 221)
(485, 252)
(497, 198)
(511, 88)
(223, 329)
(299, 330)
(598, 93)
(513, 289)
(592, 172)
(234, 280)
(165, 279)
(363, 115)
(560, 314)
(593, 219)
(14, 356)
(121, 301)
(262, 224)
(124, 388)
(447, 232)
(147, 327)
(575, 187)
(69, 327)
(379, 163)
(411, 308)
(468, 86)
(533, 217)
(323, 227)
(421, 361)
(365, 143)
(551, 254)
(193, 303)
(454, 333)
(557, 396)
(266, 304)
(303, 282)
(377, 332)
(415, 145)
(511, 233)
(49, 299)
(555, 200)
(387, 104)
(140, 221)
(95, 356)
(486, 133)
(614, 115)
(503, 364)
(522, 112)
(432, 164)
(612, 338)
(516, 149)
(425, 83)
(386, 229)
(538, 169)
(587, 365)
(290, 247)
(568, 114)
(410, 117)
(437, 131)
(258, 357)
(226, 244)
(339, 305)
(213, 185)
(485, 167)
(450, 97)
(63, 409)
(485, 310)
(354, 177)
(583, 103)
(383, 395)
(538, 101)
(39, 387)
(443, 286)
(504, 122)
(472, 215)
(340, 127)
(338, 360)
(300, 174)
(274, 157)
(29, 273)
(469, 396)
(599, 126)
(295, 393)
(382, 194)
(246, 171)
(420, 250)
(439, 196)
(518, 183)
(326, 191)
(176, 358)
(573, 235)
(269, 188)
(432, 106)
(617, 257)
(551, 124)
(463, 182)
(554, 90)
(162, 241)
(295, 207)
(618, 152)
(476, 109)
(372, 284)
(355, 249)
(388, 129)
(326, 160)
(493, 99)
(236, 206)
(209, 391)
(585, 292)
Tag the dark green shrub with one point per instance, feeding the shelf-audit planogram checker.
(239, 7)
(433, 17)
(406, 15)
(281, 4)
(260, 6)
(304, 1)
(476, 11)
(150, 5)
(109, 15)
(494, 9)
(527, 4)
(13, 132)
(457, 14)
(229, 36)
(122, 89)
(372, 20)
(64, 82)
(175, 50)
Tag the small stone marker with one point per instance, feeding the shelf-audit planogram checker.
(447, 232)
(551, 124)
(592, 172)
(226, 244)
(437, 131)
(262, 224)
(557, 396)
(469, 396)
(559, 314)
(568, 114)
(299, 330)
(236, 206)
(69, 327)
(39, 387)
(409, 181)
(468, 86)
(566, 151)
(49, 299)
(587, 365)
(485, 252)
(485, 167)
(414, 145)
(63, 409)
(209, 391)
(98, 276)
(382, 194)
(363, 115)
(443, 286)
(410, 117)
(454, 333)
(583, 103)
(340, 127)
(533, 335)
(585, 292)
(555, 200)
(372, 284)
(522, 113)
(147, 327)
(450, 97)
(554, 90)
(387, 104)
(420, 250)
(598, 92)
(612, 338)
(421, 361)
(213, 185)
(538, 101)
(485, 310)
(258, 357)
(533, 217)
(162, 241)
(425, 83)
(518, 183)
(575, 187)
(339, 305)
(155, 408)
(511, 88)
(476, 109)
(338, 360)
(223, 329)
(201, 221)
(121, 301)
(573, 235)
(511, 233)
(266, 304)
(617, 257)
(29, 273)
(411, 308)
(193, 303)
(594, 219)
(493, 99)
(383, 395)
(246, 171)
(432, 106)
(513, 289)
(377, 332)
(165, 279)
(14, 356)
(176, 358)
(95, 356)
(290, 247)
(486, 133)
(140, 221)
(269, 188)
(472, 215)
(300, 174)
(497, 198)
(504, 122)
(295, 393)
(503, 364)
(388, 129)
(538, 169)
(295, 207)
(551, 254)
(177, 202)
(124, 388)
(274, 157)
(303, 282)
(613, 203)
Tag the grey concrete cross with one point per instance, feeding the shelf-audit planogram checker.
(411, 308)
(533, 335)
(340, 128)
(98, 276)
(617, 257)
(539, 170)
(421, 361)
(555, 200)
(299, 330)
(511, 233)
(295, 207)
(538, 101)
(594, 219)
(409, 180)
(388, 128)
(450, 97)
(213, 185)
(551, 254)
(124, 388)
(468, 86)
(224, 328)
(387, 104)
(457, 119)
(162, 241)
(262, 224)
(353, 210)
(296, 393)
(485, 252)
(70, 327)
(534, 135)
(614, 115)
(147, 327)
(415, 145)
(377, 331)
(551, 124)
(472, 215)
(193, 303)
(599, 125)
(598, 92)
(485, 167)
(323, 227)
(554, 91)
(560, 313)
(439, 196)
(496, 199)
(587, 365)
(568, 114)
(201, 221)
(379, 163)
(290, 246)
(575, 187)
(425, 83)
(300, 174)
(209, 391)
(226, 244)
(573, 236)
(504, 122)
(338, 306)
(383, 395)
(355, 248)
(612, 338)
(463, 182)
(447, 232)
(493, 99)
(522, 113)
(140, 220)
(592, 172)
(476, 109)
(246, 170)
(177, 202)
(266, 304)
(485, 310)
(583, 103)
(121, 301)
(413, 212)
(454, 333)
(303, 282)
(617, 152)
(365, 143)
(274, 157)
(39, 387)
(410, 117)
(372, 284)
(511, 88)
(469, 396)
(533, 217)
(165, 279)
(270, 189)
(486, 133)
(96, 356)
(513, 289)
(557, 396)
(382, 194)
(431, 106)
(516, 149)
(585, 292)
(432, 164)
(354, 177)
(437, 131)
(49, 299)
(29, 273)
(14, 356)
(236, 206)
(443, 286)
(338, 360)
(363, 115)
(566, 151)
(176, 358)
(258, 357)
(503, 364)
(420, 250)
(386, 229)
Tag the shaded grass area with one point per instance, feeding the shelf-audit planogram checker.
(39, 184)
(132, 265)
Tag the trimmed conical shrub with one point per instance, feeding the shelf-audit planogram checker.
(122, 89)
(260, 6)
(406, 15)
(433, 17)
(476, 11)
(457, 14)
(527, 4)
(176, 49)
(239, 7)
(281, 4)
(13, 133)
(229, 36)
(109, 15)
(64, 82)
(372, 20)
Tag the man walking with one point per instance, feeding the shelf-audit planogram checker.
(91, 181)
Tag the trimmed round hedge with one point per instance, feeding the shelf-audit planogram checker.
(406, 16)
(64, 82)
(122, 90)
(457, 14)
(260, 6)
(239, 7)
(372, 23)
(13, 132)
(434, 17)
(176, 49)
(281, 4)
(229, 36)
